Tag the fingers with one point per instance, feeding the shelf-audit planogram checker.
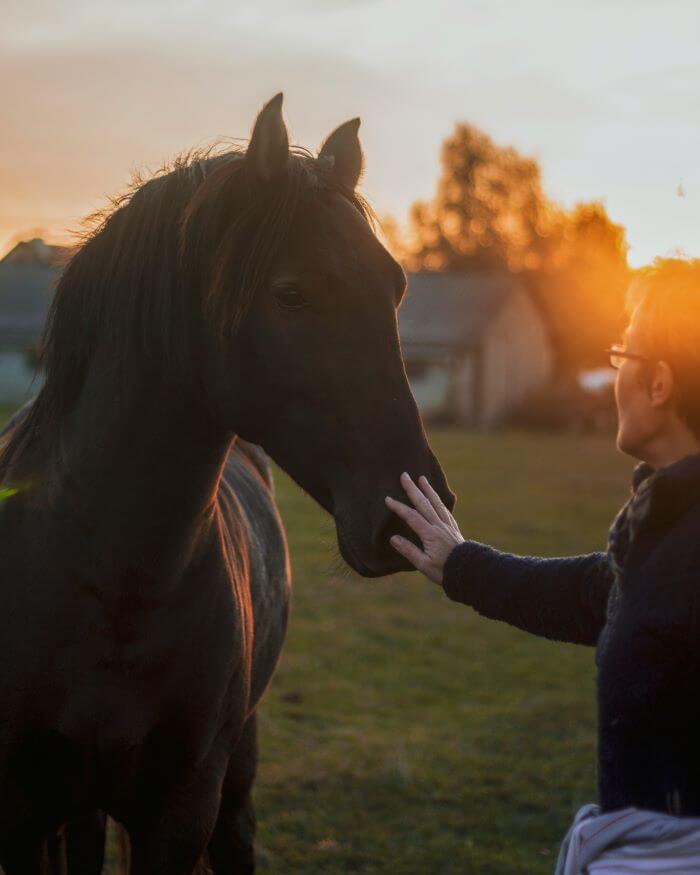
(418, 499)
(411, 517)
(435, 500)
(409, 551)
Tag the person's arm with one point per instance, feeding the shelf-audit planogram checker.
(564, 599)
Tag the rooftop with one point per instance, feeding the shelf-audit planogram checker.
(36, 252)
(443, 311)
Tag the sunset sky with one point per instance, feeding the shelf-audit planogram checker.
(605, 94)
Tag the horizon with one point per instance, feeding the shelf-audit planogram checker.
(604, 97)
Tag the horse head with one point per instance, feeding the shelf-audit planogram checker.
(312, 369)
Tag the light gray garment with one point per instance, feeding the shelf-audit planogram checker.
(630, 842)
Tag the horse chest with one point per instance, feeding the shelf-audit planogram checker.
(168, 658)
(114, 672)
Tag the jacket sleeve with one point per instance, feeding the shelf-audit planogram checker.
(563, 599)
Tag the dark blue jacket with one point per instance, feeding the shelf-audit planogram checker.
(646, 630)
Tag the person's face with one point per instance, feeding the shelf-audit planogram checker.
(639, 417)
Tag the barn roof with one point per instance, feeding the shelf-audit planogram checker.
(25, 295)
(37, 252)
(444, 311)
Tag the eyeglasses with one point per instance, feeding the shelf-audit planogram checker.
(618, 355)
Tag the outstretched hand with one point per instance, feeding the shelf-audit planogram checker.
(431, 521)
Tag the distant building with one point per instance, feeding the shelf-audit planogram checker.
(475, 345)
(37, 253)
(28, 274)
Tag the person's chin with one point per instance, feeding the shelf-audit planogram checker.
(628, 447)
(623, 442)
(620, 442)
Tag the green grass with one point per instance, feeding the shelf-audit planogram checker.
(402, 732)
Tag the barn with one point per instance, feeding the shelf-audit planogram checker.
(475, 345)
(28, 274)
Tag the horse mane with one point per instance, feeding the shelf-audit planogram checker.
(133, 282)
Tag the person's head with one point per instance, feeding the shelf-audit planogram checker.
(658, 380)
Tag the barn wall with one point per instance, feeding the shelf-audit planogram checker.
(430, 384)
(464, 402)
(517, 358)
(16, 377)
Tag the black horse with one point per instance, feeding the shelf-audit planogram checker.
(239, 299)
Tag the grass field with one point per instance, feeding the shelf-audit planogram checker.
(403, 733)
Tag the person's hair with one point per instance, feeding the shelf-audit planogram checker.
(666, 300)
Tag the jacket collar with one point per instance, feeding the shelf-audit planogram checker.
(669, 492)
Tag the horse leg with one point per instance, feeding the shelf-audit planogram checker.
(76, 849)
(27, 856)
(72, 850)
(56, 860)
(171, 834)
(231, 849)
(85, 844)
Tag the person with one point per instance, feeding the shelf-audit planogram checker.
(638, 603)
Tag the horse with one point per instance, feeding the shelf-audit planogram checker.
(238, 300)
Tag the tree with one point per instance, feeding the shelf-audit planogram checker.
(490, 211)
(489, 208)
(581, 286)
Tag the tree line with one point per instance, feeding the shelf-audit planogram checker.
(490, 211)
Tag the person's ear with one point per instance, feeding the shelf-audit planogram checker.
(661, 385)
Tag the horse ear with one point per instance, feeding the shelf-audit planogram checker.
(343, 147)
(268, 151)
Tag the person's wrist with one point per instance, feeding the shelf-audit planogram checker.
(450, 561)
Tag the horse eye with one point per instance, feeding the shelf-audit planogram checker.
(290, 297)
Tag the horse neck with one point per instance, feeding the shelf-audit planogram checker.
(136, 473)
